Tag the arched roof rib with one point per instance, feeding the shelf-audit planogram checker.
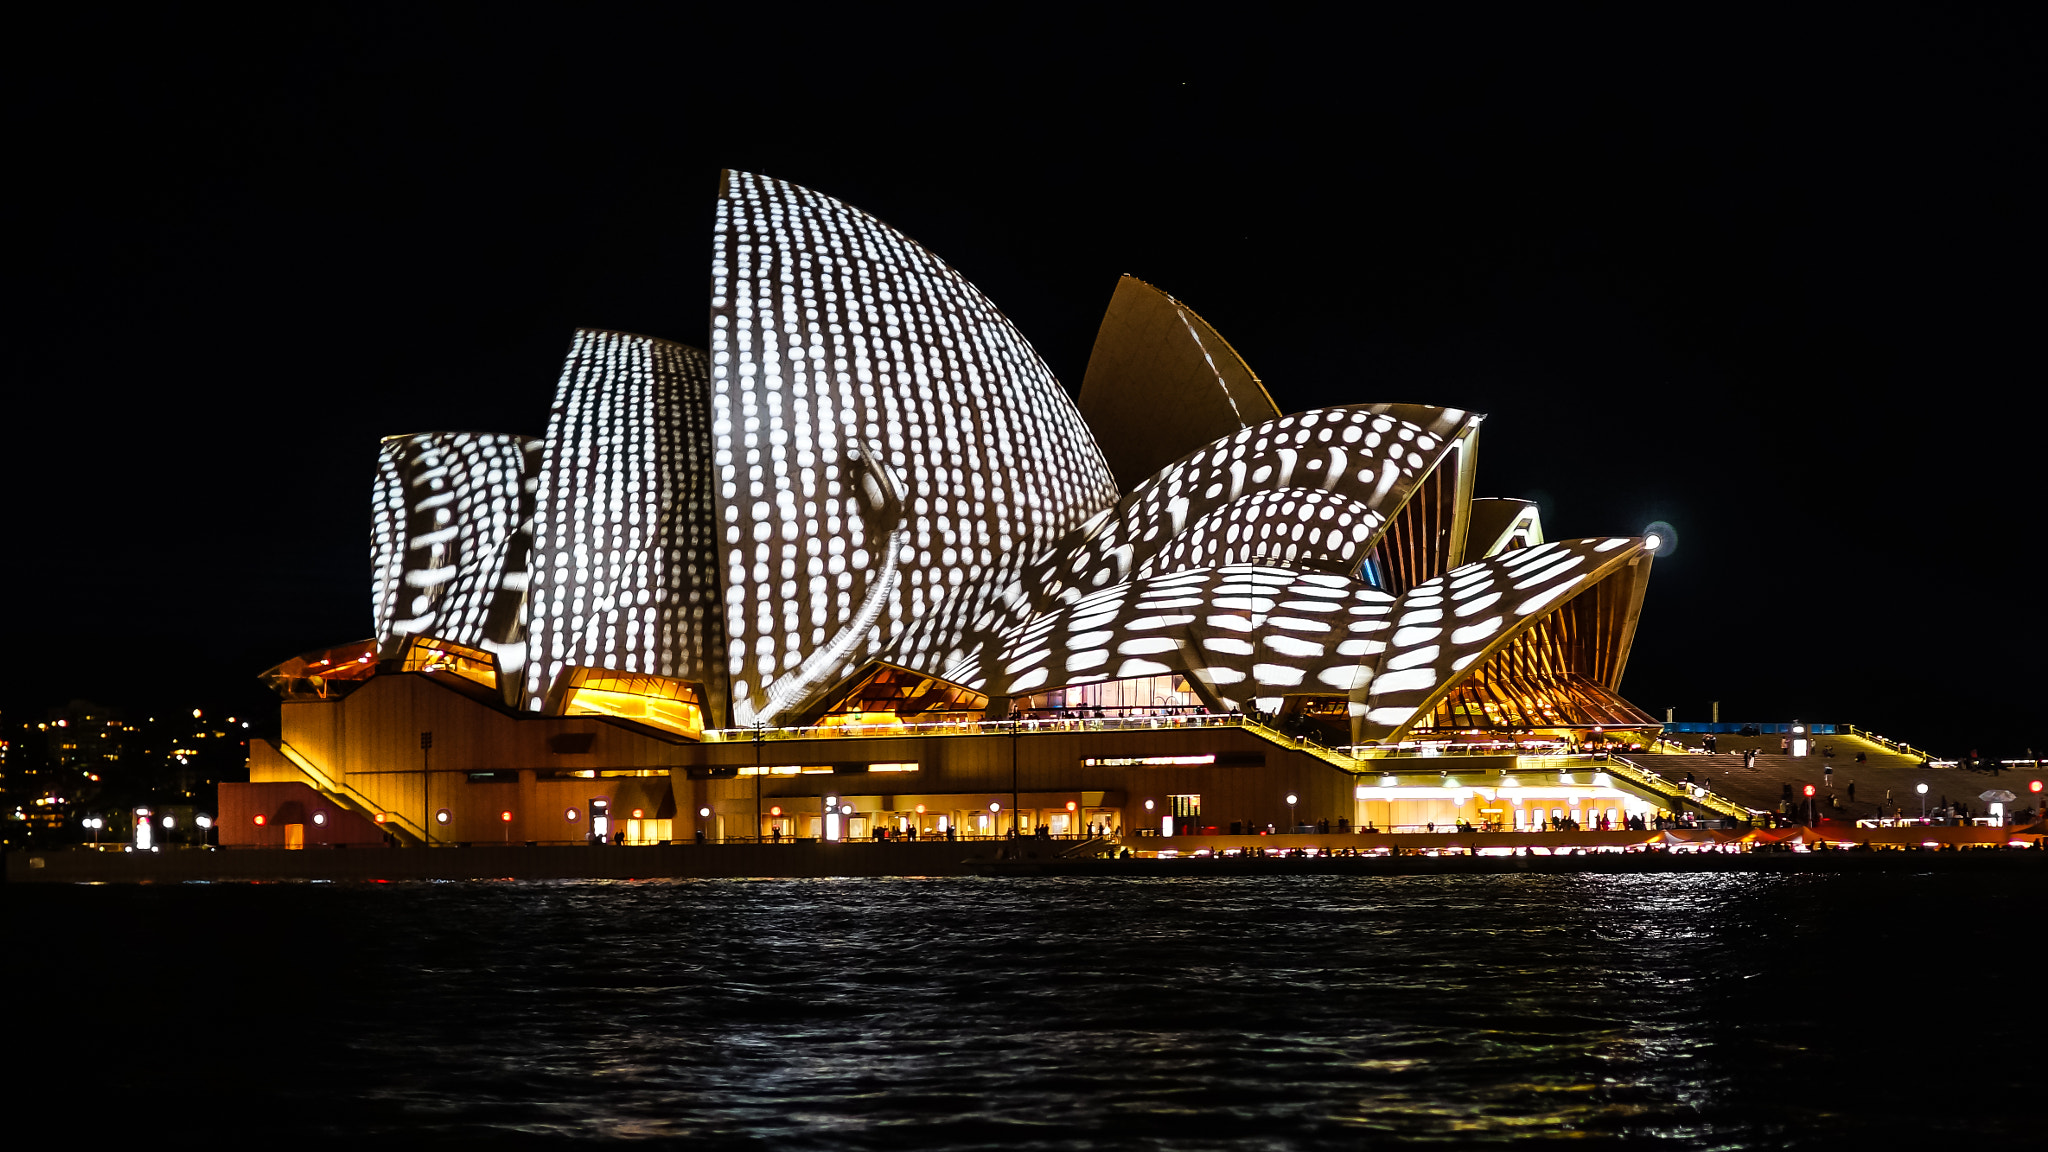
(1445, 627)
(1302, 528)
(1501, 523)
(833, 333)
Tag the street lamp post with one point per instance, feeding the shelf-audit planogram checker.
(1291, 824)
(426, 791)
(1922, 790)
(760, 733)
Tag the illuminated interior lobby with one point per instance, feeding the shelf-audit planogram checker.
(865, 568)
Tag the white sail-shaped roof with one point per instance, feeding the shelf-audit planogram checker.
(888, 447)
(624, 562)
(447, 508)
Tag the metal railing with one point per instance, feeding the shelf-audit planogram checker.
(1002, 727)
(1042, 725)
(1898, 746)
(1697, 793)
(1431, 750)
(346, 795)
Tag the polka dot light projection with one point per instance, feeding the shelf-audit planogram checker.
(1250, 634)
(448, 509)
(624, 563)
(888, 448)
(1299, 527)
(1446, 626)
(871, 463)
(1360, 461)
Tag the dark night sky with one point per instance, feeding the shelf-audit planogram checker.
(1774, 281)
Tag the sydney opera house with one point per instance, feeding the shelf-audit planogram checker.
(865, 568)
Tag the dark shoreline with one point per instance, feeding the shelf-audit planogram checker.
(1604, 863)
(916, 859)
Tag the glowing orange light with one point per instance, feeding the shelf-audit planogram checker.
(380, 817)
(2034, 787)
(775, 811)
(505, 816)
(636, 813)
(259, 820)
(1809, 789)
(1070, 805)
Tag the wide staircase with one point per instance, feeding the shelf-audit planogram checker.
(1883, 784)
(408, 832)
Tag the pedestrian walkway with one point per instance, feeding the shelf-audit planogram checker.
(1882, 772)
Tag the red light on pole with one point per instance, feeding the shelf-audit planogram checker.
(259, 820)
(507, 816)
(380, 817)
(1809, 789)
(2034, 787)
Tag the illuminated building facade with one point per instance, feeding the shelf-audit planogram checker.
(866, 547)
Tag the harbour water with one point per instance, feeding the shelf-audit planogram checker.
(1669, 1011)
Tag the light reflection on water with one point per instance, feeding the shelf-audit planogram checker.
(1707, 1011)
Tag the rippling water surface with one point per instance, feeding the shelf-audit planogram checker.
(1670, 1011)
